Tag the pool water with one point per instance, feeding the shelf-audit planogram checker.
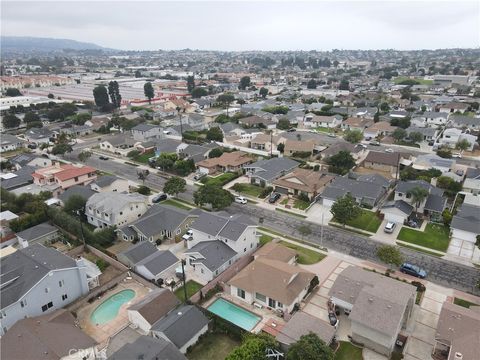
(108, 310)
(235, 314)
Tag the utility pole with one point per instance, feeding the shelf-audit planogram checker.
(184, 281)
(271, 143)
(321, 233)
(81, 225)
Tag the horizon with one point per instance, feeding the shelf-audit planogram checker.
(262, 25)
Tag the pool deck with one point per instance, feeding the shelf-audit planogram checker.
(101, 333)
(267, 316)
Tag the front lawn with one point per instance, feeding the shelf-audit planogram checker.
(219, 180)
(143, 158)
(212, 346)
(248, 189)
(305, 256)
(434, 237)
(265, 239)
(176, 204)
(348, 351)
(192, 288)
(462, 302)
(367, 220)
(300, 204)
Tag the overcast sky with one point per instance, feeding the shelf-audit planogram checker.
(250, 25)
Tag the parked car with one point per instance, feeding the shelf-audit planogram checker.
(32, 146)
(159, 197)
(413, 270)
(457, 155)
(389, 150)
(291, 130)
(188, 235)
(412, 223)
(102, 157)
(198, 176)
(333, 319)
(274, 197)
(390, 227)
(430, 143)
(240, 200)
(374, 143)
(332, 135)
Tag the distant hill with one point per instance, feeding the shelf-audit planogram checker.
(35, 44)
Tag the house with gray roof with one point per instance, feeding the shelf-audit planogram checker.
(167, 145)
(208, 259)
(429, 161)
(136, 253)
(465, 224)
(10, 143)
(37, 280)
(41, 233)
(433, 204)
(148, 348)
(30, 160)
(106, 183)
(38, 135)
(182, 327)
(160, 222)
(76, 190)
(379, 307)
(397, 211)
(463, 121)
(428, 133)
(146, 132)
(17, 179)
(264, 172)
(118, 144)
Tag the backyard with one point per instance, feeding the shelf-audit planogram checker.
(305, 256)
(192, 288)
(212, 346)
(347, 351)
(248, 189)
(367, 220)
(434, 237)
(219, 180)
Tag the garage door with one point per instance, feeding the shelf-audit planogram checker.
(281, 190)
(399, 219)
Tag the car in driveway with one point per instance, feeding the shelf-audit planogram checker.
(159, 197)
(457, 155)
(188, 235)
(413, 270)
(390, 227)
(199, 176)
(240, 200)
(103, 157)
(274, 197)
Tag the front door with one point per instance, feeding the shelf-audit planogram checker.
(271, 303)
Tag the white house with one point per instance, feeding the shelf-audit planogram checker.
(465, 224)
(10, 143)
(146, 132)
(36, 280)
(452, 136)
(110, 183)
(114, 209)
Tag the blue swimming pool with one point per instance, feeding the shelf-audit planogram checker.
(235, 314)
(108, 310)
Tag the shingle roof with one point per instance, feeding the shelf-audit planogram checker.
(139, 251)
(230, 227)
(148, 348)
(270, 169)
(406, 186)
(156, 305)
(144, 127)
(435, 203)
(37, 231)
(358, 189)
(302, 324)
(110, 202)
(275, 251)
(401, 205)
(181, 325)
(105, 180)
(80, 190)
(22, 177)
(467, 219)
(158, 262)
(21, 270)
(383, 158)
(215, 253)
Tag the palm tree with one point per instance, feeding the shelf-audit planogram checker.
(418, 194)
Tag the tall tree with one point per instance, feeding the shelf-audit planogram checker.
(353, 136)
(74, 203)
(416, 137)
(309, 347)
(31, 117)
(399, 134)
(10, 121)
(244, 82)
(215, 134)
(463, 145)
(341, 162)
(114, 92)
(253, 347)
(217, 197)
(174, 185)
(344, 85)
(312, 84)
(100, 95)
(148, 91)
(418, 194)
(190, 84)
(345, 208)
(390, 254)
(263, 92)
(84, 156)
(225, 100)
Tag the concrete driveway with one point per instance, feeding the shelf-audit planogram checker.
(316, 212)
(458, 247)
(384, 237)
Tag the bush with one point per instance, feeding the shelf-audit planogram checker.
(144, 190)
(102, 264)
(420, 287)
(303, 197)
(265, 192)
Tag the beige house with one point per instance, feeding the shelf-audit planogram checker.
(298, 146)
(379, 307)
(382, 161)
(356, 123)
(381, 128)
(60, 177)
(303, 181)
(227, 162)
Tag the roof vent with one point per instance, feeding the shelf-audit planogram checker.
(179, 313)
(458, 356)
(389, 306)
(370, 299)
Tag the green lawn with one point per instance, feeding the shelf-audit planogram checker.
(367, 220)
(176, 204)
(192, 288)
(324, 129)
(462, 302)
(291, 213)
(219, 180)
(434, 237)
(248, 189)
(284, 201)
(265, 239)
(143, 158)
(300, 204)
(213, 346)
(421, 81)
(305, 256)
(347, 351)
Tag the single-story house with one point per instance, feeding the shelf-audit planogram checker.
(465, 224)
(432, 205)
(118, 144)
(275, 251)
(9, 143)
(381, 128)
(227, 162)
(293, 147)
(42, 233)
(303, 182)
(397, 211)
(106, 183)
(382, 161)
(264, 172)
(148, 348)
(379, 307)
(356, 123)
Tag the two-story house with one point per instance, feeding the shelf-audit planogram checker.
(114, 209)
(432, 205)
(146, 132)
(36, 280)
(264, 172)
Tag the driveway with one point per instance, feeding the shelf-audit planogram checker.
(384, 237)
(461, 248)
(316, 212)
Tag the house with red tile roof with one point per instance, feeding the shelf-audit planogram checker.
(60, 177)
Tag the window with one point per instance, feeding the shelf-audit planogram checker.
(400, 194)
(61, 283)
(23, 303)
(178, 231)
(121, 212)
(201, 270)
(50, 304)
(241, 293)
(271, 303)
(44, 308)
(261, 297)
(47, 290)
(76, 178)
(64, 297)
(251, 245)
(245, 250)
(279, 304)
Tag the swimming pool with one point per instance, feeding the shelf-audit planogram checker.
(235, 314)
(108, 310)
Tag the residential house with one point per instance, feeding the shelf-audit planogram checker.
(379, 307)
(114, 209)
(153, 307)
(381, 128)
(458, 333)
(465, 122)
(196, 121)
(148, 348)
(17, 179)
(434, 119)
(60, 177)
(110, 183)
(433, 204)
(44, 234)
(298, 147)
(303, 182)
(120, 144)
(10, 143)
(30, 160)
(275, 251)
(227, 162)
(397, 211)
(149, 262)
(38, 135)
(356, 123)
(271, 283)
(195, 152)
(366, 189)
(146, 132)
(264, 172)
(433, 161)
(256, 121)
(313, 121)
(428, 133)
(264, 142)
(208, 259)
(383, 162)
(50, 336)
(465, 226)
(96, 122)
(452, 136)
(36, 280)
(182, 327)
(303, 324)
(77, 190)
(159, 222)
(472, 186)
(357, 151)
(453, 107)
(167, 146)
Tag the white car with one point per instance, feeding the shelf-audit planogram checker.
(188, 235)
(457, 155)
(240, 200)
(390, 227)
(389, 150)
